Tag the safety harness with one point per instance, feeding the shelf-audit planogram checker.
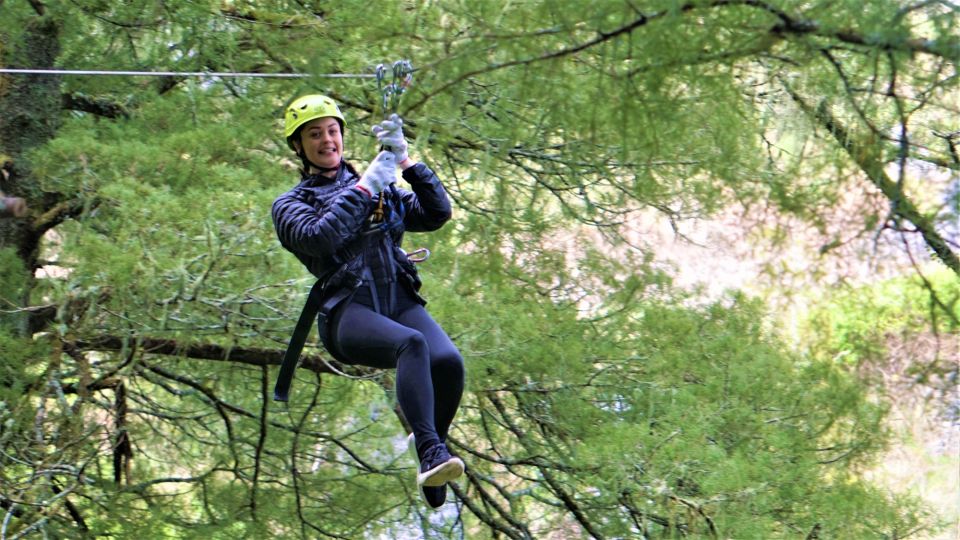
(311, 310)
(386, 218)
(322, 307)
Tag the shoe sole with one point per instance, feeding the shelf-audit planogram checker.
(412, 448)
(441, 474)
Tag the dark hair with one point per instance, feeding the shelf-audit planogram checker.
(350, 167)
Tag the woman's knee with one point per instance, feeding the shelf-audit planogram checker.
(448, 362)
(414, 345)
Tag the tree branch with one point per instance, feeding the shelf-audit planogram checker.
(600, 38)
(698, 509)
(38, 6)
(122, 447)
(949, 139)
(261, 440)
(57, 215)
(97, 106)
(10, 506)
(868, 160)
(555, 486)
(786, 25)
(71, 509)
(38, 317)
(518, 526)
(793, 25)
(207, 351)
(224, 406)
(495, 525)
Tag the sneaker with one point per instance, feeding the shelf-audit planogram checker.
(438, 467)
(434, 496)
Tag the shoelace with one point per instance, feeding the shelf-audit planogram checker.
(432, 455)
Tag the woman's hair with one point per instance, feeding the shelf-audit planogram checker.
(350, 167)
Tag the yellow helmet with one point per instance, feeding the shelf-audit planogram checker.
(307, 108)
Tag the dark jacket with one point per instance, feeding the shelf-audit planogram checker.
(326, 224)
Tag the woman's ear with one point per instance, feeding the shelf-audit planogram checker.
(297, 146)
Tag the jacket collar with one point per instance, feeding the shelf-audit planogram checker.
(316, 179)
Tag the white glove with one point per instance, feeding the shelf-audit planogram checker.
(390, 134)
(381, 173)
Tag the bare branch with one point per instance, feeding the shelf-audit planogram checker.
(261, 441)
(475, 480)
(71, 509)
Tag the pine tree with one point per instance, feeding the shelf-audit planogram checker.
(148, 301)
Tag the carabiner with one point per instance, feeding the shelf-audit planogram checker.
(388, 103)
(379, 72)
(423, 250)
(390, 93)
(402, 74)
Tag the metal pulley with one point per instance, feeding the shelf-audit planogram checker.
(390, 93)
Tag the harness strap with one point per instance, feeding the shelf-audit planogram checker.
(313, 306)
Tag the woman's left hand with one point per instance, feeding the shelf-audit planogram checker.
(390, 134)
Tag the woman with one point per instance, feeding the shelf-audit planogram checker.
(372, 313)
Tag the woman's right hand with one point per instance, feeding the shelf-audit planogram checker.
(390, 134)
(381, 173)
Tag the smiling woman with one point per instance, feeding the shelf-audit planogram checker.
(313, 126)
(321, 143)
(347, 230)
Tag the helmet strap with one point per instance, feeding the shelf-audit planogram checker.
(307, 165)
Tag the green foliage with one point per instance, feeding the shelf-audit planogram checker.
(602, 401)
(857, 324)
(682, 420)
(13, 283)
(17, 373)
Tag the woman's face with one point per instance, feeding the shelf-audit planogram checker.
(322, 141)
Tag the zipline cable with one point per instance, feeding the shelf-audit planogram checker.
(14, 71)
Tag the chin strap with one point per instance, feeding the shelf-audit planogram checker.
(307, 164)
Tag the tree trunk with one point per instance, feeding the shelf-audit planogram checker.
(29, 117)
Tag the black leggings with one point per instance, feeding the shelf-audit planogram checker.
(430, 370)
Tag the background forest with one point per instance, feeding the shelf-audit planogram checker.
(703, 268)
